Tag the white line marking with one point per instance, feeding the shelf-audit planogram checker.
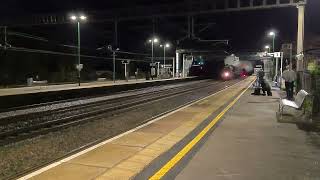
(55, 164)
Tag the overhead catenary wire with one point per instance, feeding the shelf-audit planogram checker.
(21, 49)
(27, 36)
(43, 39)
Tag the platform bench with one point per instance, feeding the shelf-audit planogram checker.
(40, 82)
(297, 104)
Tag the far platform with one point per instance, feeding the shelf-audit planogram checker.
(62, 87)
(25, 96)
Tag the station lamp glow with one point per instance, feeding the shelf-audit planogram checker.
(82, 17)
(78, 19)
(73, 17)
(166, 46)
(152, 41)
(267, 47)
(272, 33)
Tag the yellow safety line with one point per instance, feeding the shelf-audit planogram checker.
(168, 166)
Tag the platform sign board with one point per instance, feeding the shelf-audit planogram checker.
(125, 62)
(277, 54)
(167, 66)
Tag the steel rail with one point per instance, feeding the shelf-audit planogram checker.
(16, 135)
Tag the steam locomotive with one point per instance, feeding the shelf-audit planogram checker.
(226, 69)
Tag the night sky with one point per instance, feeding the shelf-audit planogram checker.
(245, 30)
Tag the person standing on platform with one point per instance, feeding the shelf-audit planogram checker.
(260, 75)
(289, 77)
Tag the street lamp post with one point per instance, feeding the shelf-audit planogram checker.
(273, 34)
(167, 45)
(152, 41)
(114, 66)
(78, 19)
(79, 51)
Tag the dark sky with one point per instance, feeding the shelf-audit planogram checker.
(246, 30)
(45, 6)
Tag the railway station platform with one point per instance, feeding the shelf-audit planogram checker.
(23, 96)
(63, 87)
(227, 135)
(251, 143)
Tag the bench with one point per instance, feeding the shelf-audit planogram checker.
(40, 82)
(101, 79)
(297, 104)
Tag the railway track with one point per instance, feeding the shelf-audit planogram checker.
(34, 114)
(21, 127)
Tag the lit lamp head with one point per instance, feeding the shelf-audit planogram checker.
(167, 45)
(154, 40)
(267, 47)
(272, 33)
(80, 18)
(73, 17)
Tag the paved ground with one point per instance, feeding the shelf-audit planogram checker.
(251, 144)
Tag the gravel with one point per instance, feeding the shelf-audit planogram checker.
(91, 100)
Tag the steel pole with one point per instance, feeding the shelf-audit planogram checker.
(79, 44)
(152, 51)
(273, 37)
(183, 64)
(277, 65)
(300, 36)
(125, 71)
(5, 37)
(281, 69)
(164, 56)
(173, 68)
(114, 67)
(158, 72)
(177, 64)
(291, 58)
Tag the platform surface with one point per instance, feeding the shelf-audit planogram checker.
(61, 87)
(251, 144)
(125, 156)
